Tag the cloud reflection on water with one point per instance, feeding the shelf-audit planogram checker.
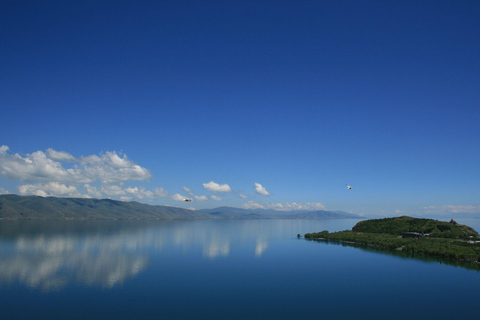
(260, 247)
(216, 248)
(105, 254)
(50, 263)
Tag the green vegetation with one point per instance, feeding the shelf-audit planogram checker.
(397, 226)
(446, 239)
(14, 207)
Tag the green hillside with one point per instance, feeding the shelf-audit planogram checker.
(434, 238)
(14, 207)
(399, 225)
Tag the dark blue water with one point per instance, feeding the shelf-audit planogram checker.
(232, 269)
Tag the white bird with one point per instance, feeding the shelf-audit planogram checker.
(349, 187)
(187, 200)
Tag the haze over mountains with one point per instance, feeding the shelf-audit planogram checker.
(14, 207)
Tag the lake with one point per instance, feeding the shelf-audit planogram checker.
(218, 269)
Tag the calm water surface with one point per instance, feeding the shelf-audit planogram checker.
(231, 269)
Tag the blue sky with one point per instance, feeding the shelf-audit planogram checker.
(274, 104)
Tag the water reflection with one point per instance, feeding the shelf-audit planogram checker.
(403, 254)
(50, 255)
(216, 248)
(51, 262)
(260, 247)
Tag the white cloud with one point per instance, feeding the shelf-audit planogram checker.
(305, 206)
(215, 187)
(198, 198)
(276, 206)
(242, 196)
(35, 167)
(131, 190)
(49, 189)
(188, 190)
(93, 191)
(113, 190)
(116, 190)
(139, 192)
(59, 155)
(109, 167)
(214, 197)
(178, 197)
(49, 167)
(53, 169)
(3, 191)
(261, 190)
(201, 198)
(252, 205)
(160, 192)
(285, 206)
(451, 209)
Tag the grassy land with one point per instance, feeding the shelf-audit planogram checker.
(448, 240)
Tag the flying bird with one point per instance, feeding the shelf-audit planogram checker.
(187, 200)
(349, 187)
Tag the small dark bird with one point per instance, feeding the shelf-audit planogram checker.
(187, 200)
(349, 187)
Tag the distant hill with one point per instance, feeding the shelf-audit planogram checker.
(239, 213)
(33, 208)
(399, 225)
(14, 207)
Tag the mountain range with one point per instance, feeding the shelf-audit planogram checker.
(15, 207)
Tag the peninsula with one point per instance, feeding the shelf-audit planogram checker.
(420, 236)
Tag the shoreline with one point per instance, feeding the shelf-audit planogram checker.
(399, 248)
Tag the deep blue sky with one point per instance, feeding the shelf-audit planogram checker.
(302, 97)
